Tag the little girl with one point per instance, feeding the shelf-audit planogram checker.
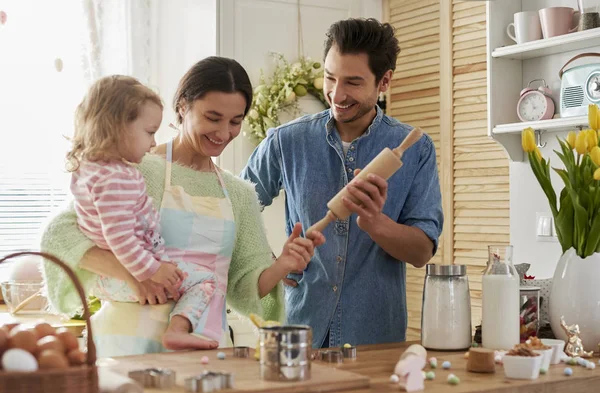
(115, 126)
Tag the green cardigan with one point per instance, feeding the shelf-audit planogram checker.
(251, 253)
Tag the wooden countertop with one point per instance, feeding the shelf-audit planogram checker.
(375, 362)
(378, 361)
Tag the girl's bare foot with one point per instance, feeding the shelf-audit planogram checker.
(178, 336)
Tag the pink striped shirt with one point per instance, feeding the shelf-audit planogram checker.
(115, 212)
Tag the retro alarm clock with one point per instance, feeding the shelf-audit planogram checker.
(535, 104)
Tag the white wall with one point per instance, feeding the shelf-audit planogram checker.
(526, 196)
(184, 32)
(249, 30)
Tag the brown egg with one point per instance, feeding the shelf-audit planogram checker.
(44, 329)
(3, 341)
(76, 357)
(69, 340)
(50, 342)
(24, 339)
(52, 359)
(10, 326)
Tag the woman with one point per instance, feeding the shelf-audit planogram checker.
(198, 204)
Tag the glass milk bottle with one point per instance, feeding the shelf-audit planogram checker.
(500, 292)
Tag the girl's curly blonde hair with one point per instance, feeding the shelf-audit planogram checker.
(101, 118)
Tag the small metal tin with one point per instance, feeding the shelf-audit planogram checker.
(157, 378)
(349, 352)
(241, 352)
(332, 356)
(285, 353)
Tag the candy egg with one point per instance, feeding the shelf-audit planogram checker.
(446, 365)
(568, 371)
(590, 366)
(394, 378)
(52, 359)
(221, 355)
(430, 375)
(204, 360)
(17, 359)
(453, 379)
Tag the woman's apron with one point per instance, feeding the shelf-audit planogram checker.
(199, 230)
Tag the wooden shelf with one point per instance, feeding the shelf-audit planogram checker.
(550, 46)
(554, 125)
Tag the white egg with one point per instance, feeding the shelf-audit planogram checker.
(19, 360)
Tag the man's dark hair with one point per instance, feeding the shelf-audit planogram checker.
(368, 36)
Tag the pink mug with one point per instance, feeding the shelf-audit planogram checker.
(557, 21)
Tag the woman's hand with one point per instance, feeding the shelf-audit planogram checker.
(152, 293)
(297, 253)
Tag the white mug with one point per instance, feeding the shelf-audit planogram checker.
(527, 27)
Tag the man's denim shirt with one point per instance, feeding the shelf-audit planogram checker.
(352, 287)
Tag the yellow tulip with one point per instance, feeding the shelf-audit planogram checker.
(571, 139)
(597, 174)
(593, 114)
(581, 142)
(528, 140)
(591, 138)
(595, 155)
(538, 153)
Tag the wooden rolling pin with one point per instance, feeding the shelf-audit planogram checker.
(385, 165)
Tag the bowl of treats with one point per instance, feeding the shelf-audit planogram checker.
(522, 362)
(545, 350)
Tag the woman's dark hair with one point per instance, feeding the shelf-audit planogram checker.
(213, 73)
(368, 36)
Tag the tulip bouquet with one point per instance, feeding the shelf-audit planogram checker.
(576, 210)
(288, 82)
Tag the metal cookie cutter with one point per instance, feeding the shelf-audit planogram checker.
(349, 352)
(241, 352)
(332, 356)
(157, 378)
(209, 381)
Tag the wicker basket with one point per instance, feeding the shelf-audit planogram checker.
(75, 379)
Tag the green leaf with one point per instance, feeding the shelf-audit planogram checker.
(564, 221)
(593, 239)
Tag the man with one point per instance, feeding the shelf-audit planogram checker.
(354, 289)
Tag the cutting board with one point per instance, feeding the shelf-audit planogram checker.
(324, 377)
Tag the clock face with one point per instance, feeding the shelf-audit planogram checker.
(533, 106)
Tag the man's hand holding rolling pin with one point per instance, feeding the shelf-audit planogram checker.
(372, 195)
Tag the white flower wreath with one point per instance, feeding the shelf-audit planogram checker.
(281, 92)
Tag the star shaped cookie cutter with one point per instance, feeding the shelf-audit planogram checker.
(157, 378)
(209, 381)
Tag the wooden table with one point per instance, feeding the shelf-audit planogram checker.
(377, 363)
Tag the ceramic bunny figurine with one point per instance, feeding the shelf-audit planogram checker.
(574, 346)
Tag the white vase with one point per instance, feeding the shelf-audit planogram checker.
(575, 295)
